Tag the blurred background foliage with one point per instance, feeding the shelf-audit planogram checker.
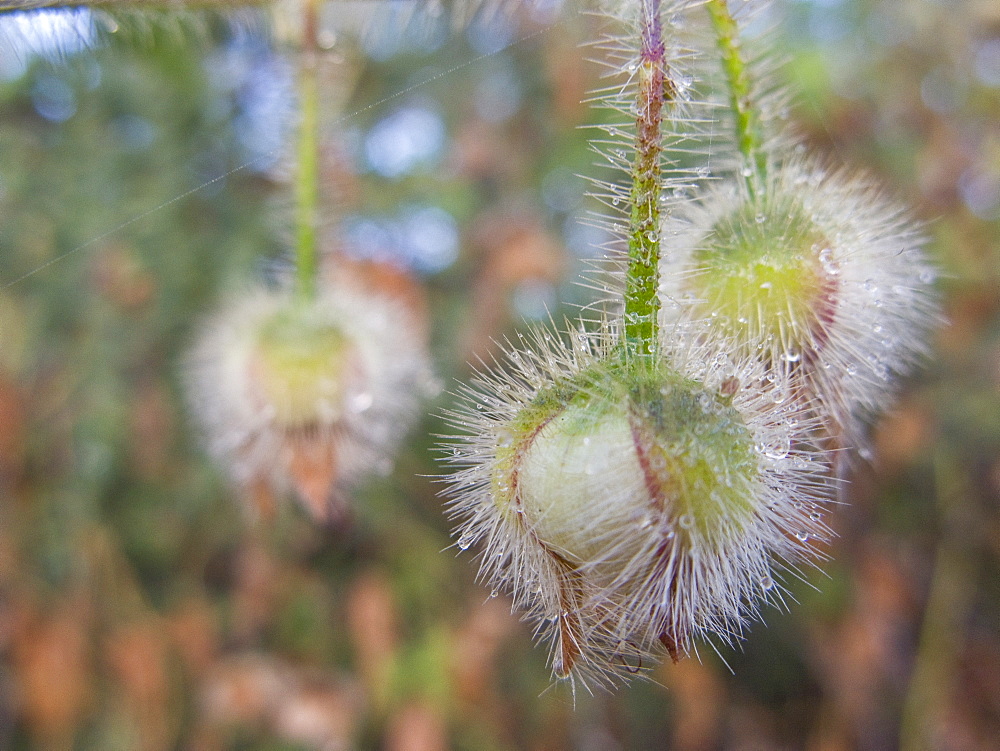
(144, 171)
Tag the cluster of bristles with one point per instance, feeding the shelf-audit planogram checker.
(634, 495)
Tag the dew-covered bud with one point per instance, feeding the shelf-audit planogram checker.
(308, 393)
(629, 507)
(815, 274)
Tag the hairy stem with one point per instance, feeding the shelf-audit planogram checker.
(642, 303)
(307, 177)
(748, 125)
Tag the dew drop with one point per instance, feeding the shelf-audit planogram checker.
(927, 277)
(360, 402)
(791, 356)
(766, 285)
(851, 369)
(465, 541)
(505, 438)
(686, 521)
(869, 285)
(766, 583)
(494, 593)
(802, 536)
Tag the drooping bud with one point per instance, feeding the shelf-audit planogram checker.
(629, 507)
(309, 393)
(817, 275)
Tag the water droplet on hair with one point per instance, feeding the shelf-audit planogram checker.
(505, 438)
(776, 450)
(760, 218)
(494, 593)
(927, 277)
(802, 536)
(766, 583)
(686, 521)
(851, 369)
(465, 541)
(791, 356)
(766, 285)
(360, 402)
(869, 285)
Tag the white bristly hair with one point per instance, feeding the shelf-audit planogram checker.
(631, 512)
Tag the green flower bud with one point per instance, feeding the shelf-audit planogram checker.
(631, 507)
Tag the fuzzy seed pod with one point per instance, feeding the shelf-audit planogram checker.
(817, 275)
(630, 507)
(308, 392)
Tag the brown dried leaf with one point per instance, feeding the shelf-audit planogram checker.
(52, 662)
(416, 727)
(372, 621)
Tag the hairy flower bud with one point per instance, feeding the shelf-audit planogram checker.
(815, 274)
(628, 506)
(308, 392)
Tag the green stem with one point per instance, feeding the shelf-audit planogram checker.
(642, 303)
(949, 601)
(748, 125)
(307, 176)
